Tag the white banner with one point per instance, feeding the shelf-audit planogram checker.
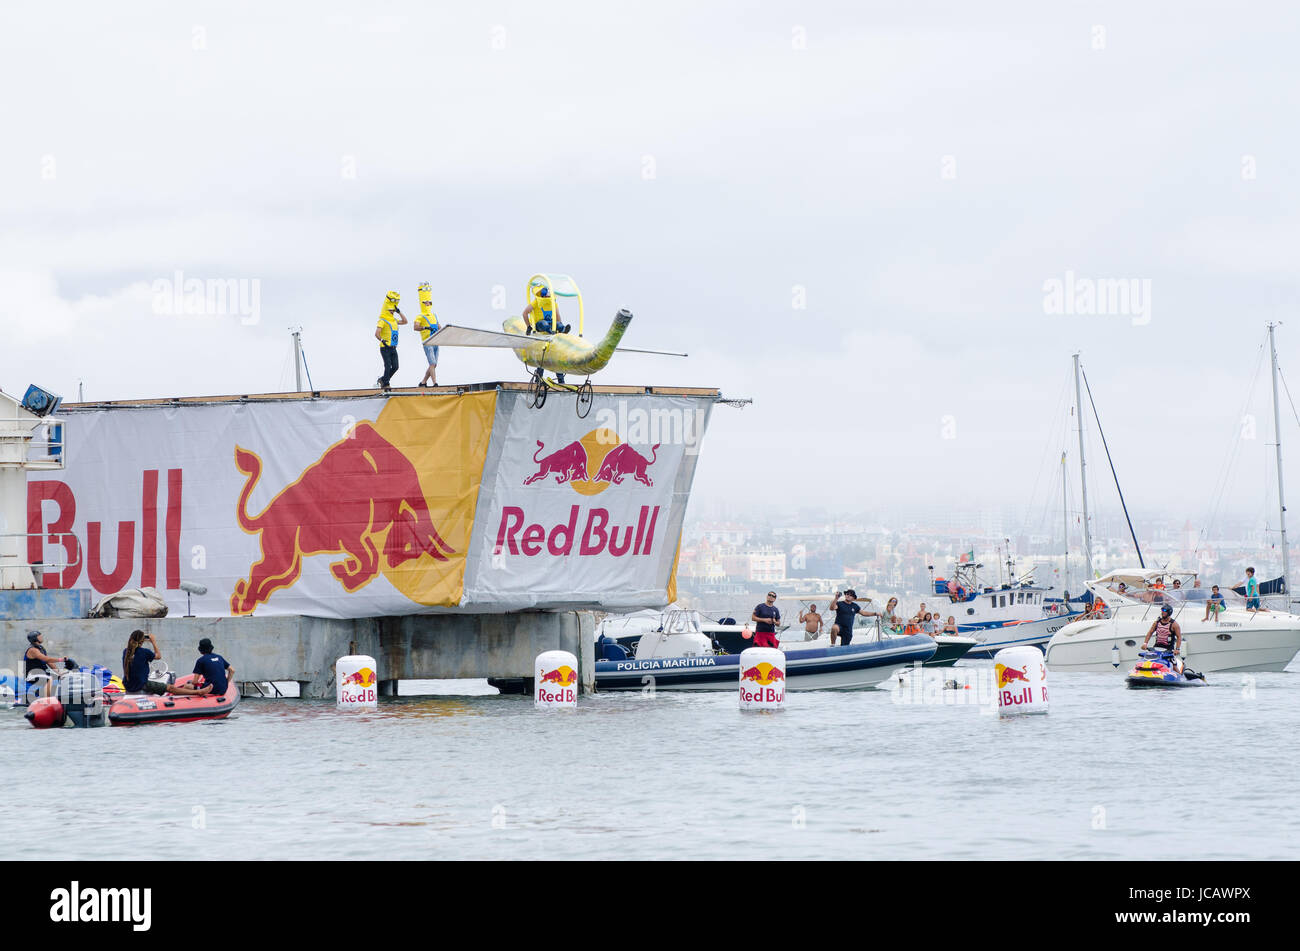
(373, 507)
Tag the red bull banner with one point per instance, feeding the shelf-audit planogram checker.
(373, 506)
(587, 511)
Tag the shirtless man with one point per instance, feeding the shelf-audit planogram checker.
(812, 623)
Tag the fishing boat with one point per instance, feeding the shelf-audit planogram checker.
(1015, 614)
(681, 656)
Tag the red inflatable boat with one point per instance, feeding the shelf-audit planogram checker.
(173, 708)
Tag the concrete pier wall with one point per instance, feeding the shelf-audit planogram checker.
(305, 649)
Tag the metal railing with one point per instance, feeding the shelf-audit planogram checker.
(56, 539)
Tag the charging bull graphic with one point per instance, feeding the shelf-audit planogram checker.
(763, 674)
(562, 676)
(362, 499)
(567, 465)
(622, 461)
(601, 451)
(365, 677)
(1005, 675)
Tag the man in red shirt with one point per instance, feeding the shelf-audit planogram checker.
(765, 618)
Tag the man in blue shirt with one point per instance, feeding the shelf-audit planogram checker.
(214, 670)
(765, 618)
(846, 612)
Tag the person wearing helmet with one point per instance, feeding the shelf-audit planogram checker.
(1168, 635)
(36, 663)
(541, 316)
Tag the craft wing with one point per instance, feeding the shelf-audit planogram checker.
(662, 353)
(452, 336)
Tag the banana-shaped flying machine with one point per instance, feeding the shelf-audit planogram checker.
(544, 343)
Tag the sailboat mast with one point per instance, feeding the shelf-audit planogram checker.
(1281, 503)
(1065, 535)
(1083, 477)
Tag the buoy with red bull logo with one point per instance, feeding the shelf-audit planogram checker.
(356, 682)
(555, 681)
(762, 679)
(1020, 676)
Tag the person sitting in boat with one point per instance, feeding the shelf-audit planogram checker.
(919, 616)
(36, 663)
(765, 618)
(812, 623)
(1168, 635)
(950, 629)
(135, 664)
(1214, 604)
(213, 668)
(928, 625)
(889, 621)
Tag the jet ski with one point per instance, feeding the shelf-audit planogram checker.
(1159, 668)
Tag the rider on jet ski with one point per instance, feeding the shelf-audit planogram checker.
(1169, 636)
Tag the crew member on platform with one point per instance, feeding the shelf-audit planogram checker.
(386, 333)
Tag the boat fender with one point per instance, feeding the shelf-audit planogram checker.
(46, 712)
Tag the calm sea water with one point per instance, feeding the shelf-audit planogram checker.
(835, 775)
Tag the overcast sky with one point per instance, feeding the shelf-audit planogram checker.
(848, 212)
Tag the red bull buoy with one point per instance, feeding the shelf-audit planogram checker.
(46, 712)
(356, 682)
(555, 681)
(762, 679)
(1020, 678)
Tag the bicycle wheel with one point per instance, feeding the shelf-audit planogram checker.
(585, 398)
(539, 391)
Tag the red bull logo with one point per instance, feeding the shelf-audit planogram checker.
(1005, 675)
(594, 462)
(362, 499)
(562, 676)
(763, 674)
(365, 677)
(598, 535)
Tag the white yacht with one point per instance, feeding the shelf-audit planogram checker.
(1238, 639)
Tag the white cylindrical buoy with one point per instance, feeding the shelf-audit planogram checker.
(1020, 675)
(356, 682)
(762, 679)
(555, 681)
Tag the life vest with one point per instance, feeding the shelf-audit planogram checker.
(1165, 634)
(544, 314)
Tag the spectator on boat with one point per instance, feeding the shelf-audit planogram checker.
(386, 333)
(889, 621)
(846, 612)
(135, 664)
(765, 618)
(1122, 589)
(927, 624)
(36, 663)
(812, 622)
(1214, 605)
(919, 615)
(213, 668)
(427, 325)
(1252, 591)
(950, 629)
(1169, 636)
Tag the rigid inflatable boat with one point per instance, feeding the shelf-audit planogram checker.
(138, 708)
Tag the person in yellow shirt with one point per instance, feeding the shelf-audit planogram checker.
(386, 333)
(427, 325)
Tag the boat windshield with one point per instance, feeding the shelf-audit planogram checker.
(1174, 596)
